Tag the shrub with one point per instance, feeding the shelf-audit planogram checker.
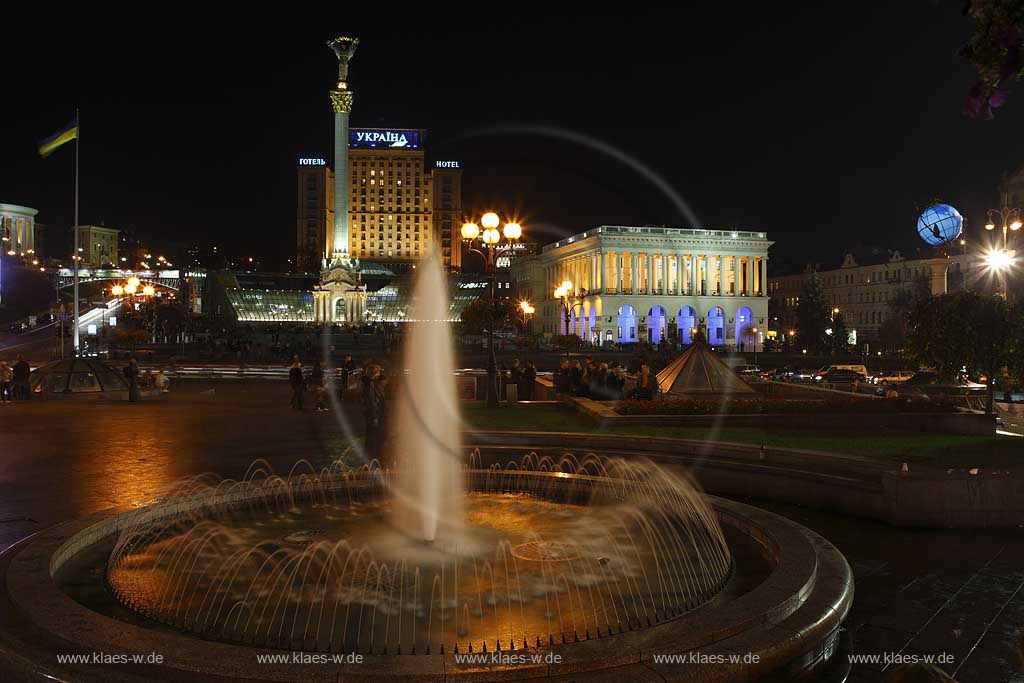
(776, 406)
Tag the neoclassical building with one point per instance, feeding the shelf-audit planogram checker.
(652, 283)
(18, 229)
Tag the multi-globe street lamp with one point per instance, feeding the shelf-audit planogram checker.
(528, 310)
(1001, 260)
(570, 299)
(492, 246)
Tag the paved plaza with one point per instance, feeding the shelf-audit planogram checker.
(924, 592)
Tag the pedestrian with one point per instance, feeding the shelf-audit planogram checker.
(528, 382)
(598, 383)
(515, 377)
(21, 372)
(316, 385)
(616, 383)
(296, 382)
(563, 378)
(131, 375)
(347, 368)
(576, 387)
(646, 384)
(374, 409)
(6, 382)
(162, 382)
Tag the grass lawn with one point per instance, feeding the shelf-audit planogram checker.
(904, 446)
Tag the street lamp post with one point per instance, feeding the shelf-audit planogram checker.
(754, 331)
(570, 299)
(1001, 260)
(490, 238)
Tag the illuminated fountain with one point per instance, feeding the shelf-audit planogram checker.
(438, 553)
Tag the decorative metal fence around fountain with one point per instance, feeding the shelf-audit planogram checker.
(549, 552)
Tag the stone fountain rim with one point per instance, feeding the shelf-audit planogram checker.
(798, 606)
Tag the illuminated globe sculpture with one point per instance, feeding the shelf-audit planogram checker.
(940, 224)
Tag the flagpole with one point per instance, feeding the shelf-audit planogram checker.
(78, 144)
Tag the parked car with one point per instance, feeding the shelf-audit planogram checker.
(840, 376)
(747, 370)
(894, 377)
(859, 369)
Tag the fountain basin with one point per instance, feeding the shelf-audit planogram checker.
(783, 606)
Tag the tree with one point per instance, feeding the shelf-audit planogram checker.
(965, 330)
(476, 317)
(893, 331)
(812, 315)
(840, 337)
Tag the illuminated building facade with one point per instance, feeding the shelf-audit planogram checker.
(398, 209)
(652, 283)
(314, 216)
(99, 246)
(863, 288)
(18, 230)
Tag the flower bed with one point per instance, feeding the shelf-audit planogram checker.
(746, 406)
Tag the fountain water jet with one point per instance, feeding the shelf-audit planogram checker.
(429, 491)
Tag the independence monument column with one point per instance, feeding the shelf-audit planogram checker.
(341, 101)
(340, 296)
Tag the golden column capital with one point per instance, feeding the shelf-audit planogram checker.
(341, 101)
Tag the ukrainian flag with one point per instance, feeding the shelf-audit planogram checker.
(65, 134)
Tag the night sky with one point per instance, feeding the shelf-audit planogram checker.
(825, 127)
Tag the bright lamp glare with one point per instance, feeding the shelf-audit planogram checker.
(567, 285)
(513, 231)
(998, 260)
(490, 220)
(117, 290)
(1015, 225)
(491, 236)
(470, 231)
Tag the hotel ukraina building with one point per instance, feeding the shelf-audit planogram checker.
(652, 283)
(398, 208)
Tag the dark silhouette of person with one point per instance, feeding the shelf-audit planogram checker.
(528, 381)
(131, 374)
(297, 383)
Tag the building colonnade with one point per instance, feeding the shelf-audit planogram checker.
(661, 273)
(17, 229)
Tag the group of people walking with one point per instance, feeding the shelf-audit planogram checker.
(316, 382)
(14, 381)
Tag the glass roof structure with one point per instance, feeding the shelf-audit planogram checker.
(75, 376)
(258, 297)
